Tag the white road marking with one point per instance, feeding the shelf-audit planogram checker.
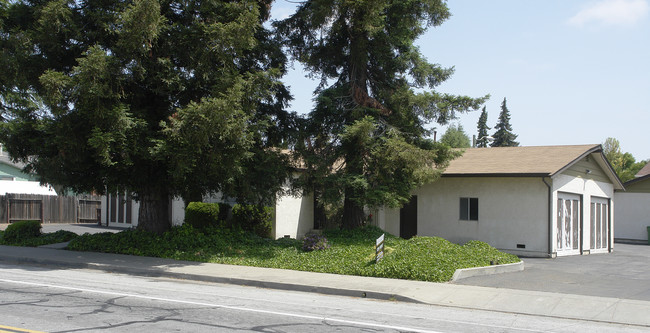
(237, 308)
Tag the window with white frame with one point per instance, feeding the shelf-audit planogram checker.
(469, 209)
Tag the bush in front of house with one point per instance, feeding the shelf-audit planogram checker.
(351, 252)
(253, 218)
(21, 230)
(60, 236)
(314, 242)
(224, 211)
(28, 233)
(201, 215)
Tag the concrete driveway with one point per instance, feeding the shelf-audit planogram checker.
(625, 273)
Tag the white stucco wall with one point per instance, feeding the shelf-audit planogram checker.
(512, 211)
(178, 212)
(387, 219)
(632, 214)
(587, 189)
(294, 216)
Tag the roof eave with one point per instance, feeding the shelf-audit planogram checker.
(601, 160)
(495, 175)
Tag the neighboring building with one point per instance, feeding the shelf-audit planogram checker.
(531, 201)
(14, 180)
(633, 208)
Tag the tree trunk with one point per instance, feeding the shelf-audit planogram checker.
(353, 214)
(153, 215)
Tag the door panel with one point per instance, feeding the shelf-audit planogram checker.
(599, 223)
(568, 224)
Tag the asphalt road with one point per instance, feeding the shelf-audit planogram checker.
(54, 300)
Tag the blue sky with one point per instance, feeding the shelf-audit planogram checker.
(573, 72)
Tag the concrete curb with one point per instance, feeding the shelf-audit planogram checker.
(166, 273)
(536, 303)
(487, 270)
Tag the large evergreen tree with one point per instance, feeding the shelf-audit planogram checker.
(365, 140)
(504, 137)
(156, 98)
(483, 129)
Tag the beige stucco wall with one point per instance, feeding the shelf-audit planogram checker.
(511, 211)
(294, 216)
(632, 214)
(587, 189)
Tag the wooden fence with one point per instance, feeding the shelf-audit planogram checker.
(49, 209)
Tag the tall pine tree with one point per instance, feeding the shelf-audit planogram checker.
(483, 128)
(365, 140)
(155, 98)
(504, 137)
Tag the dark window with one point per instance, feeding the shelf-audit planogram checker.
(469, 209)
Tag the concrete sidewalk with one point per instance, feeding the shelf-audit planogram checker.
(613, 310)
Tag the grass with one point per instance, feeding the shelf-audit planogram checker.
(350, 252)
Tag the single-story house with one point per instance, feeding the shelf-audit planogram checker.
(542, 201)
(293, 214)
(632, 209)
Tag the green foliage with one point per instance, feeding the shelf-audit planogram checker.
(28, 233)
(253, 218)
(156, 99)
(314, 242)
(351, 252)
(224, 211)
(624, 164)
(455, 137)
(21, 230)
(504, 137)
(374, 102)
(482, 127)
(202, 215)
(59, 236)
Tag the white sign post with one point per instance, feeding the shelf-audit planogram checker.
(379, 247)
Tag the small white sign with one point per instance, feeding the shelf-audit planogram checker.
(379, 248)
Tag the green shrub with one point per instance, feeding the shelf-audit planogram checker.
(314, 242)
(202, 215)
(21, 230)
(351, 252)
(253, 218)
(60, 236)
(224, 211)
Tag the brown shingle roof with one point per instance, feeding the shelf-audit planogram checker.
(539, 160)
(644, 171)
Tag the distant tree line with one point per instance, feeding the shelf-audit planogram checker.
(456, 137)
(624, 164)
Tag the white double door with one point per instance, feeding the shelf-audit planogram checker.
(568, 224)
